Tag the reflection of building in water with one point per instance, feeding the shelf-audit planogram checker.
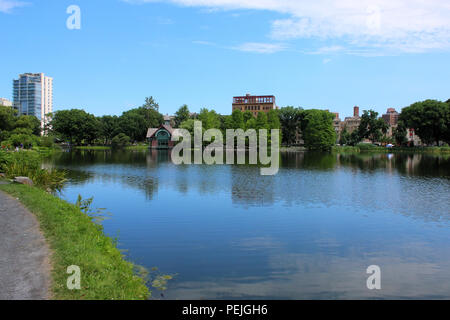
(250, 188)
(156, 156)
(412, 163)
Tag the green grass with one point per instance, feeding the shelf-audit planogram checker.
(137, 147)
(76, 240)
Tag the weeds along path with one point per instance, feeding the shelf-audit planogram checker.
(24, 254)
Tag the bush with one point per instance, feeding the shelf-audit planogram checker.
(120, 140)
(46, 142)
(28, 164)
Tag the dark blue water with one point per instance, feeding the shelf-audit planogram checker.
(310, 232)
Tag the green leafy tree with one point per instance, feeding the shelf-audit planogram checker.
(7, 118)
(121, 140)
(318, 131)
(75, 125)
(273, 119)
(237, 118)
(400, 133)
(226, 122)
(261, 121)
(251, 123)
(135, 122)
(247, 116)
(430, 120)
(29, 122)
(372, 127)
(209, 119)
(345, 137)
(290, 119)
(188, 125)
(181, 115)
(109, 128)
(150, 104)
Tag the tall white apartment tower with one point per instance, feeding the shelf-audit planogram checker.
(33, 95)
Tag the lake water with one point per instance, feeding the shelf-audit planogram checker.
(309, 232)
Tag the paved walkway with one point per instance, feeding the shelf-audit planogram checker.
(24, 255)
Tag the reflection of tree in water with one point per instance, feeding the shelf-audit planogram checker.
(106, 166)
(304, 179)
(406, 164)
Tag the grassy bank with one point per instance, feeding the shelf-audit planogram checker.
(76, 240)
(369, 148)
(137, 147)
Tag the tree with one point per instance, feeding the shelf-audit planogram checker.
(261, 121)
(181, 115)
(209, 119)
(135, 122)
(150, 104)
(345, 137)
(247, 116)
(109, 128)
(318, 131)
(188, 125)
(400, 133)
(290, 118)
(430, 120)
(120, 140)
(225, 123)
(372, 127)
(7, 118)
(76, 126)
(29, 122)
(237, 120)
(273, 119)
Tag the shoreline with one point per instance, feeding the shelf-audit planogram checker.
(75, 239)
(335, 149)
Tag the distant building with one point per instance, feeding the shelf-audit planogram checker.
(254, 104)
(33, 95)
(5, 102)
(161, 138)
(169, 120)
(352, 123)
(391, 119)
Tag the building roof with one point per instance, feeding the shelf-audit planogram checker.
(173, 132)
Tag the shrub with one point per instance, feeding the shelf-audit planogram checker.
(28, 164)
(120, 140)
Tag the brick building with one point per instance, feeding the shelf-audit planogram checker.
(254, 104)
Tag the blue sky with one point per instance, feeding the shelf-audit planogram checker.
(324, 54)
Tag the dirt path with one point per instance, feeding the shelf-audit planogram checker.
(24, 254)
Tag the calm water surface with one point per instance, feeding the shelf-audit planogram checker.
(310, 232)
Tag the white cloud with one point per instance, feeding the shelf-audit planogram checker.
(6, 6)
(258, 47)
(393, 26)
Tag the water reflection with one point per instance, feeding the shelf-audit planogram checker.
(308, 232)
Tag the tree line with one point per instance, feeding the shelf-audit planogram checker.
(20, 131)
(430, 119)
